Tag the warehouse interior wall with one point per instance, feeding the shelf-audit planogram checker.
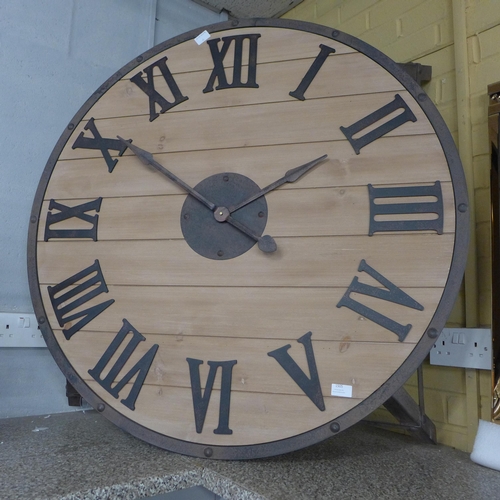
(459, 39)
(56, 54)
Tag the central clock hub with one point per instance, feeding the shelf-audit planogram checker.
(221, 214)
(207, 233)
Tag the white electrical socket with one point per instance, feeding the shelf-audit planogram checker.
(20, 330)
(464, 348)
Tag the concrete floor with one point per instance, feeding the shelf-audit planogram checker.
(82, 456)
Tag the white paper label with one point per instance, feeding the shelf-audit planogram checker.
(202, 37)
(343, 391)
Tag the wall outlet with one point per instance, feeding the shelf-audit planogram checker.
(464, 348)
(20, 330)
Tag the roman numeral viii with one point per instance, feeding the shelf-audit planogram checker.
(141, 368)
(218, 57)
(360, 141)
(391, 293)
(101, 143)
(64, 213)
(68, 296)
(155, 98)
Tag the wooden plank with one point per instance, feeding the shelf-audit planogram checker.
(254, 125)
(275, 82)
(273, 313)
(254, 417)
(299, 212)
(326, 261)
(387, 163)
(274, 45)
(359, 366)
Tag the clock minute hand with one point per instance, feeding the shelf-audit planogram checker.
(291, 176)
(147, 158)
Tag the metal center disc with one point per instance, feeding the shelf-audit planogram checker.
(207, 233)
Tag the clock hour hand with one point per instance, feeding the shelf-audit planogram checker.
(221, 214)
(291, 176)
(265, 243)
(147, 158)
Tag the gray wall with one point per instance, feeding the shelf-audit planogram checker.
(53, 55)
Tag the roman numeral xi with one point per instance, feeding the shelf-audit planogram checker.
(155, 98)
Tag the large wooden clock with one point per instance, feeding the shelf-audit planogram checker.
(244, 245)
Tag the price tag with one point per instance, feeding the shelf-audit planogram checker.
(205, 35)
(343, 391)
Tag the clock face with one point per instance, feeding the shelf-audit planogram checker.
(241, 246)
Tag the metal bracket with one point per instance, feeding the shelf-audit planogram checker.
(410, 415)
(74, 397)
(419, 72)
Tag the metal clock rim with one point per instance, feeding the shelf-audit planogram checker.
(397, 379)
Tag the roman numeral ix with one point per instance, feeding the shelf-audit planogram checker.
(65, 213)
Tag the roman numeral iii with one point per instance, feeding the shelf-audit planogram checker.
(390, 293)
(425, 213)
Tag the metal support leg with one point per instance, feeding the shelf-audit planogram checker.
(410, 415)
